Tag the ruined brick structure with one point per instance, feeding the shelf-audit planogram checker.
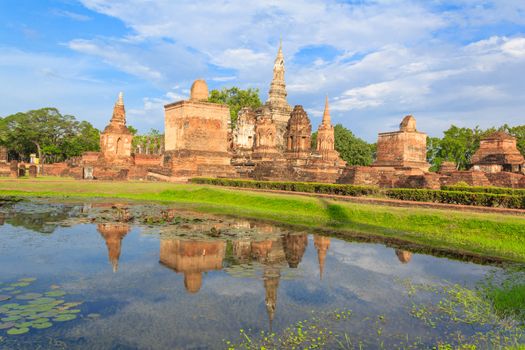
(273, 142)
(298, 135)
(277, 104)
(115, 161)
(400, 161)
(324, 164)
(5, 167)
(115, 140)
(406, 148)
(196, 136)
(498, 152)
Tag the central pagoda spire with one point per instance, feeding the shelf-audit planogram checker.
(277, 93)
(326, 115)
(119, 112)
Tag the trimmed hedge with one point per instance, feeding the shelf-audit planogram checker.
(463, 195)
(494, 190)
(458, 197)
(310, 187)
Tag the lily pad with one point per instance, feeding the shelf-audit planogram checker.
(93, 315)
(28, 279)
(4, 297)
(19, 284)
(7, 325)
(24, 325)
(11, 318)
(65, 317)
(73, 311)
(56, 293)
(29, 296)
(71, 304)
(16, 331)
(10, 306)
(42, 300)
(8, 289)
(41, 320)
(43, 325)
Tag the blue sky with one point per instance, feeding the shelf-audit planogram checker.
(446, 62)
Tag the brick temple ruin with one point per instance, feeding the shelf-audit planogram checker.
(273, 142)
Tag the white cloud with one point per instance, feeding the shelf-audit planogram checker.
(392, 57)
(72, 15)
(514, 47)
(240, 59)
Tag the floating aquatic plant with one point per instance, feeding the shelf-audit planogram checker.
(33, 310)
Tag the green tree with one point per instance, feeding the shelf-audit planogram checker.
(236, 99)
(132, 130)
(457, 145)
(48, 133)
(352, 149)
(434, 153)
(86, 138)
(519, 133)
(148, 142)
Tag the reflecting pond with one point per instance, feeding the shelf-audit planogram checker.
(158, 278)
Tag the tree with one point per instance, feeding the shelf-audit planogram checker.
(236, 99)
(457, 145)
(519, 133)
(353, 150)
(48, 133)
(149, 143)
(434, 153)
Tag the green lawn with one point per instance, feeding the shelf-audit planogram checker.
(493, 235)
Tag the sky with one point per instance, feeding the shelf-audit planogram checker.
(445, 62)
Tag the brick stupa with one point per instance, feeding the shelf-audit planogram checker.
(498, 152)
(115, 140)
(196, 136)
(406, 148)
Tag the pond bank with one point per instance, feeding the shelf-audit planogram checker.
(477, 234)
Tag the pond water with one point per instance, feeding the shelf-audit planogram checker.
(198, 281)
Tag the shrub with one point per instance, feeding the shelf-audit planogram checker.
(458, 197)
(494, 190)
(448, 195)
(310, 187)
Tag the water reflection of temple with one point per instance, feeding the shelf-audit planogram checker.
(321, 243)
(294, 248)
(192, 258)
(404, 256)
(113, 235)
(271, 254)
(275, 253)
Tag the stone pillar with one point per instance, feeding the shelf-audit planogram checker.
(14, 168)
(33, 170)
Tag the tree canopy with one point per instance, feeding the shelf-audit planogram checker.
(236, 99)
(353, 150)
(52, 136)
(148, 143)
(459, 144)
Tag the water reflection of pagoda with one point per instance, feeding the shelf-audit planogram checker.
(321, 243)
(113, 235)
(294, 248)
(192, 258)
(404, 256)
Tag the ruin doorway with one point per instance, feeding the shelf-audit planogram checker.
(118, 148)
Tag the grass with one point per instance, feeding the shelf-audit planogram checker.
(510, 300)
(491, 235)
